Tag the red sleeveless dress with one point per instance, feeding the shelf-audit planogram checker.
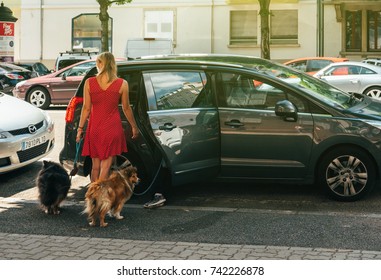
(104, 134)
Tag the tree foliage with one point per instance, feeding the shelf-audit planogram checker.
(105, 18)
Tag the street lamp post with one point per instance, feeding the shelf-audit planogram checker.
(7, 33)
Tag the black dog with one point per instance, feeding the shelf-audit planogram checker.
(53, 184)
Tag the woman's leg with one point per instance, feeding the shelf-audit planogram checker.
(105, 166)
(95, 169)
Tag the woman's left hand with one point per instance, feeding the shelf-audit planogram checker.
(135, 132)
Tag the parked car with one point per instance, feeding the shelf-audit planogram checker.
(10, 75)
(65, 59)
(54, 88)
(311, 65)
(374, 61)
(37, 67)
(216, 117)
(25, 138)
(353, 76)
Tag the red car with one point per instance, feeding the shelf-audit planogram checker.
(311, 65)
(55, 88)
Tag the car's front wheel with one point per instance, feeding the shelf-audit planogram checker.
(39, 97)
(374, 92)
(347, 173)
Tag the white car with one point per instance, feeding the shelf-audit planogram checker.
(374, 61)
(353, 76)
(26, 133)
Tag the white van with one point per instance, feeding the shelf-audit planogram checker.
(148, 46)
(76, 55)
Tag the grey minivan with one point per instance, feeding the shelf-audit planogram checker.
(224, 117)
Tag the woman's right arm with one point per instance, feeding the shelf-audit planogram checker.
(85, 110)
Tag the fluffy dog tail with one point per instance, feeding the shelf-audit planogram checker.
(95, 201)
(90, 206)
(91, 200)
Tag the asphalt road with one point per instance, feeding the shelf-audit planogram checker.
(257, 214)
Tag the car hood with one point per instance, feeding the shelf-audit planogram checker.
(16, 113)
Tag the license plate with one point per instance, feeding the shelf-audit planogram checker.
(33, 142)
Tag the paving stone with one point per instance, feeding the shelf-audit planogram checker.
(36, 247)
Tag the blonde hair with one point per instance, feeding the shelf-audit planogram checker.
(109, 65)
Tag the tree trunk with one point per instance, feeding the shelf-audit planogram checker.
(265, 28)
(104, 18)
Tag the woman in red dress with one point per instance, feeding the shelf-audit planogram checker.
(104, 137)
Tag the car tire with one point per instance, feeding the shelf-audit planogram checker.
(374, 92)
(347, 173)
(39, 97)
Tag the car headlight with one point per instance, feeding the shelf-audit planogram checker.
(49, 122)
(4, 134)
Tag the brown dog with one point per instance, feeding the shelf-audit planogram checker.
(109, 196)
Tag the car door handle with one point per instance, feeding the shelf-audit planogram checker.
(167, 127)
(354, 81)
(234, 123)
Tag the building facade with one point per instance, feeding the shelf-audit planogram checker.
(349, 28)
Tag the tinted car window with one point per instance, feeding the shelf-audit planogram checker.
(365, 70)
(251, 93)
(300, 65)
(79, 70)
(246, 92)
(41, 68)
(178, 89)
(315, 65)
(67, 62)
(133, 79)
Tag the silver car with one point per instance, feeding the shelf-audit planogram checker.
(23, 139)
(352, 76)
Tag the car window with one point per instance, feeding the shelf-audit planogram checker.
(316, 65)
(238, 91)
(133, 79)
(67, 62)
(78, 70)
(366, 71)
(180, 89)
(42, 68)
(300, 65)
(245, 92)
(335, 71)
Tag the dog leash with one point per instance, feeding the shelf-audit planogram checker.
(152, 182)
(75, 168)
(125, 181)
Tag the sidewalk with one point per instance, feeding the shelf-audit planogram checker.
(46, 247)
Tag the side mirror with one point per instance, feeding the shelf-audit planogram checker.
(64, 76)
(287, 110)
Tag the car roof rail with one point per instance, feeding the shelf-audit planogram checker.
(81, 51)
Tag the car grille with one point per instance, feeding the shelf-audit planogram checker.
(25, 130)
(32, 152)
